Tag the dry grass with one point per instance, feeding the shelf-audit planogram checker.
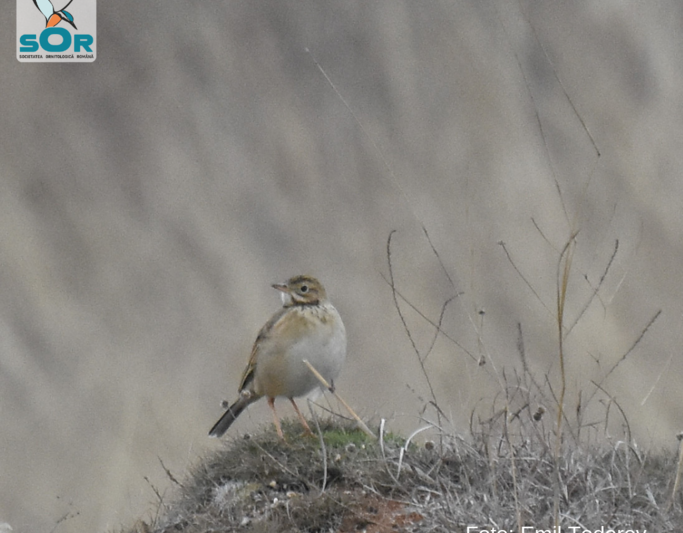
(259, 484)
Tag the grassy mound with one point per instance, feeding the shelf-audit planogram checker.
(344, 481)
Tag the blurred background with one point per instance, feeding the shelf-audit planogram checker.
(149, 199)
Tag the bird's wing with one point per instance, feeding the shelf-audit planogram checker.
(261, 338)
(45, 7)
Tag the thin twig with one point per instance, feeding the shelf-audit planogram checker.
(168, 473)
(438, 328)
(597, 287)
(540, 231)
(405, 324)
(626, 354)
(526, 281)
(392, 179)
(393, 292)
(520, 348)
(329, 387)
(559, 81)
(155, 490)
(429, 320)
(635, 343)
(537, 116)
(613, 400)
(438, 257)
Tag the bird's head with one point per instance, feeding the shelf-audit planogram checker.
(301, 290)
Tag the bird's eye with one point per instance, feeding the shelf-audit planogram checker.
(304, 289)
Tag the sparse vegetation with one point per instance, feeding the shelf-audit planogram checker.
(259, 484)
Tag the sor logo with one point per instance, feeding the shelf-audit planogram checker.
(60, 39)
(81, 42)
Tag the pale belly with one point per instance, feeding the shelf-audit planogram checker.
(287, 375)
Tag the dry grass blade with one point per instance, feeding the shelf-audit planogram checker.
(599, 385)
(635, 343)
(564, 266)
(523, 278)
(329, 387)
(596, 289)
(559, 81)
(322, 447)
(438, 257)
(168, 473)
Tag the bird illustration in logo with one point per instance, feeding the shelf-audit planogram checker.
(53, 17)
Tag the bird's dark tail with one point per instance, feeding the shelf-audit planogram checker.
(220, 427)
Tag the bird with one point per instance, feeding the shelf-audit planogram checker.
(307, 327)
(52, 17)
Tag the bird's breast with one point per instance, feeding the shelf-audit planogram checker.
(314, 333)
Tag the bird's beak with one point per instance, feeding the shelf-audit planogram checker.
(56, 18)
(280, 287)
